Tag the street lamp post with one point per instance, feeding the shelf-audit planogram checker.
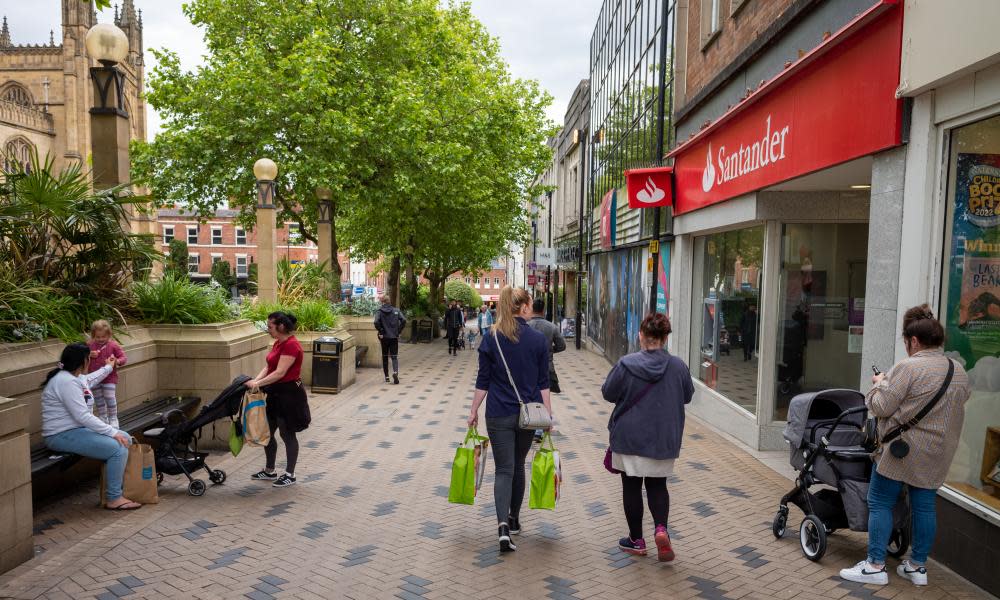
(324, 234)
(265, 171)
(109, 125)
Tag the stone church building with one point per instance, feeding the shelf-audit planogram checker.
(46, 91)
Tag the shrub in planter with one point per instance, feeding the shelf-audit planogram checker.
(312, 315)
(174, 299)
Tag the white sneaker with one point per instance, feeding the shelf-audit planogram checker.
(863, 572)
(917, 575)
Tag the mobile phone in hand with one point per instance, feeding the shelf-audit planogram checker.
(875, 370)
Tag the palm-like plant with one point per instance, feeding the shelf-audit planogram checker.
(56, 230)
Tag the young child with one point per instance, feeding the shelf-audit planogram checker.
(103, 347)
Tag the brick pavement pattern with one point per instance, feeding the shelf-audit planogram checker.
(369, 517)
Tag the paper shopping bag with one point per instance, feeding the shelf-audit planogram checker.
(253, 417)
(545, 476)
(468, 458)
(139, 480)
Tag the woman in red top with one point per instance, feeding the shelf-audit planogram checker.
(287, 406)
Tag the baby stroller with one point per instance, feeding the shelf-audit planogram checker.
(825, 431)
(176, 451)
(460, 341)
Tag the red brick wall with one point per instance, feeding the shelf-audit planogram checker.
(737, 33)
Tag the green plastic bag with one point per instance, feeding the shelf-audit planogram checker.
(468, 457)
(235, 438)
(546, 476)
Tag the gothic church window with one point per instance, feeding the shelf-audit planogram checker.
(17, 94)
(17, 155)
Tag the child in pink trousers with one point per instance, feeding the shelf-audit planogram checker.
(103, 347)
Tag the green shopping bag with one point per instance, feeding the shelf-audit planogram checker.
(468, 458)
(546, 476)
(235, 438)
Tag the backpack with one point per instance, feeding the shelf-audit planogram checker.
(253, 416)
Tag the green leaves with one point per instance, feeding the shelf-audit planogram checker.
(175, 299)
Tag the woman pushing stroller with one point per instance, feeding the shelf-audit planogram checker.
(921, 460)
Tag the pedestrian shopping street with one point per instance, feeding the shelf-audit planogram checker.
(369, 516)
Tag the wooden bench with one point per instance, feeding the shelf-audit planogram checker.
(359, 356)
(134, 421)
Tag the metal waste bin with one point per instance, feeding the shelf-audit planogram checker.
(326, 364)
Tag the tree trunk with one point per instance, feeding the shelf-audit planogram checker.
(434, 289)
(392, 282)
(334, 254)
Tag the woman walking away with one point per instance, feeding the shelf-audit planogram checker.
(927, 393)
(526, 354)
(68, 425)
(287, 404)
(649, 389)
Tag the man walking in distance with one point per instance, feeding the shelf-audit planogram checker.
(454, 320)
(748, 331)
(556, 341)
(389, 322)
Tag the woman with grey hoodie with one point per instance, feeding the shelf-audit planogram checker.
(649, 389)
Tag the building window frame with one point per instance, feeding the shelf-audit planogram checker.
(194, 263)
(168, 234)
(711, 22)
(736, 6)
(192, 234)
(241, 236)
(244, 269)
(216, 236)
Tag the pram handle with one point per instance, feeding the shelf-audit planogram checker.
(850, 411)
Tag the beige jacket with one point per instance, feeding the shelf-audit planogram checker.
(906, 389)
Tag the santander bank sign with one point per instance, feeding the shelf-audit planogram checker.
(833, 105)
(746, 159)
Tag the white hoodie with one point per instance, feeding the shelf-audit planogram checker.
(64, 404)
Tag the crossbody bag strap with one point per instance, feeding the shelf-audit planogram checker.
(898, 431)
(641, 395)
(506, 368)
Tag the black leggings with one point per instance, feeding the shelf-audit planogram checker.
(291, 444)
(656, 493)
(390, 349)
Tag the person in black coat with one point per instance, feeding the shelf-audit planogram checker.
(748, 331)
(389, 322)
(454, 320)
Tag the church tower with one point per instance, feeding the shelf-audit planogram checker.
(77, 18)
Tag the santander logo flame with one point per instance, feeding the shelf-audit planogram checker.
(708, 177)
(650, 193)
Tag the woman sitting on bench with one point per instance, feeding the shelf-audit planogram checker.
(69, 425)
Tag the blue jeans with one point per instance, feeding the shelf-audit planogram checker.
(882, 496)
(87, 443)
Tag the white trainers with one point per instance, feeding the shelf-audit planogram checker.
(863, 572)
(917, 575)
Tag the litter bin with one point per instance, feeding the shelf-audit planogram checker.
(326, 364)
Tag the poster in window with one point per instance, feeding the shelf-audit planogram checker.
(973, 312)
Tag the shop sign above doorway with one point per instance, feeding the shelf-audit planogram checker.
(650, 188)
(835, 104)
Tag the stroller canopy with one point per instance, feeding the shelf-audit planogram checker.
(813, 406)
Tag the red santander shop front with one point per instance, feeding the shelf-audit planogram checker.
(772, 202)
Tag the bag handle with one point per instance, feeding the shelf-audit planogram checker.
(506, 368)
(898, 431)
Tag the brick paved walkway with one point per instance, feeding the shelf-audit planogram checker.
(369, 517)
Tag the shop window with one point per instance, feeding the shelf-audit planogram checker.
(168, 234)
(725, 317)
(241, 236)
(821, 318)
(970, 302)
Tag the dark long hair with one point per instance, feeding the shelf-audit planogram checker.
(283, 321)
(72, 358)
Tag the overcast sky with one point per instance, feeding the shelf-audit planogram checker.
(547, 40)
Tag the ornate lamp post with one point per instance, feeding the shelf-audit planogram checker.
(325, 232)
(267, 276)
(109, 124)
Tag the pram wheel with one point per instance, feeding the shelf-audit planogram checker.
(812, 537)
(196, 487)
(218, 476)
(779, 523)
(159, 478)
(899, 543)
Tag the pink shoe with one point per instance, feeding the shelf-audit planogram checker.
(664, 552)
(633, 547)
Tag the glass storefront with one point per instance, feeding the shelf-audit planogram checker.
(725, 319)
(821, 309)
(970, 302)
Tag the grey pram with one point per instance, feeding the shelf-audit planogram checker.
(824, 432)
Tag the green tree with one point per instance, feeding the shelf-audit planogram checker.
(463, 292)
(404, 108)
(177, 260)
(223, 274)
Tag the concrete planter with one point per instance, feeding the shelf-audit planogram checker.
(363, 330)
(16, 538)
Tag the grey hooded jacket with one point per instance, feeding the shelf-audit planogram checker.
(654, 426)
(389, 322)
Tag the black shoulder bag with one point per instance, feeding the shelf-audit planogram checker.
(898, 446)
